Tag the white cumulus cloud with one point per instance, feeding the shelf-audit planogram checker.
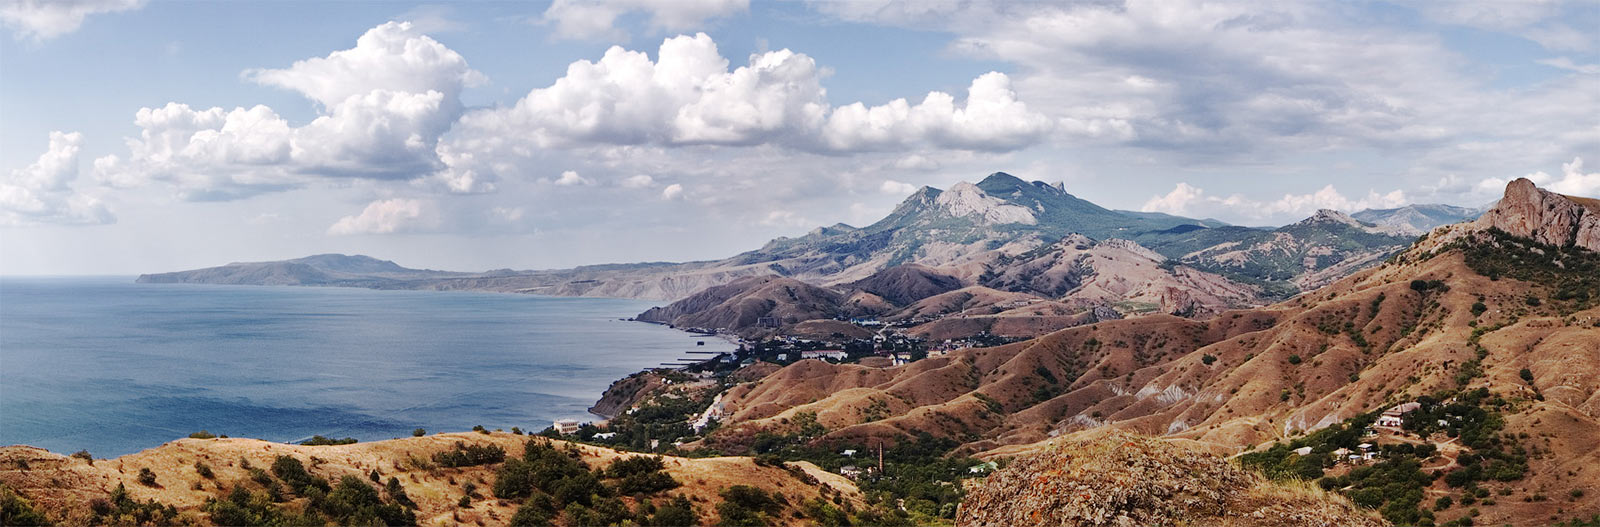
(991, 119)
(1189, 200)
(570, 178)
(671, 192)
(46, 19)
(689, 96)
(1572, 182)
(384, 217)
(42, 191)
(897, 188)
(384, 104)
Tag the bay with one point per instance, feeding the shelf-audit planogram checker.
(115, 367)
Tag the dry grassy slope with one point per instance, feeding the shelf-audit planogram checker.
(904, 284)
(1148, 374)
(1119, 479)
(65, 485)
(742, 303)
(1083, 273)
(974, 300)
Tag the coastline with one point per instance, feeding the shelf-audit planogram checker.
(157, 408)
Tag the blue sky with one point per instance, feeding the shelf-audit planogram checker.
(148, 136)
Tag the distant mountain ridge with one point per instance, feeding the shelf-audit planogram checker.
(321, 269)
(1420, 218)
(960, 232)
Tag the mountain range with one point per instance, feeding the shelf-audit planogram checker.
(1001, 233)
(1490, 327)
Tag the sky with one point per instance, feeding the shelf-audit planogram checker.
(148, 136)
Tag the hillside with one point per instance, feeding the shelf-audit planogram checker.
(1288, 260)
(75, 490)
(1080, 272)
(750, 303)
(1120, 479)
(1472, 306)
(1073, 281)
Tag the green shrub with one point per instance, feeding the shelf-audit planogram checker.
(397, 493)
(146, 477)
(204, 470)
(17, 510)
(679, 511)
(1207, 359)
(293, 473)
(354, 502)
(419, 432)
(464, 455)
(1478, 308)
(318, 440)
(744, 505)
(202, 435)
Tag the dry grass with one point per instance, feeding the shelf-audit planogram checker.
(64, 485)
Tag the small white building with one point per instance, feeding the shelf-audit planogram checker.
(1394, 417)
(848, 453)
(566, 426)
(1303, 451)
(850, 471)
(983, 468)
(605, 436)
(902, 358)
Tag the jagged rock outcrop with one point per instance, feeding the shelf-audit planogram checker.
(1547, 217)
(1125, 480)
(967, 200)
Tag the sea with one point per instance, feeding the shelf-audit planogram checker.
(111, 366)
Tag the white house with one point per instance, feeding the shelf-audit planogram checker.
(902, 358)
(566, 426)
(1303, 451)
(1394, 417)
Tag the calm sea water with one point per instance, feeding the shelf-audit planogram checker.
(115, 367)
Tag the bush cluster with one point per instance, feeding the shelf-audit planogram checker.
(464, 455)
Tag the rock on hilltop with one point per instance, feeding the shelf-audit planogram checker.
(1120, 479)
(1547, 217)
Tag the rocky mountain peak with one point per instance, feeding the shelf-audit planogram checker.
(1331, 216)
(1547, 217)
(968, 200)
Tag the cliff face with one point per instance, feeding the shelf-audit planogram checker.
(1127, 480)
(1547, 217)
